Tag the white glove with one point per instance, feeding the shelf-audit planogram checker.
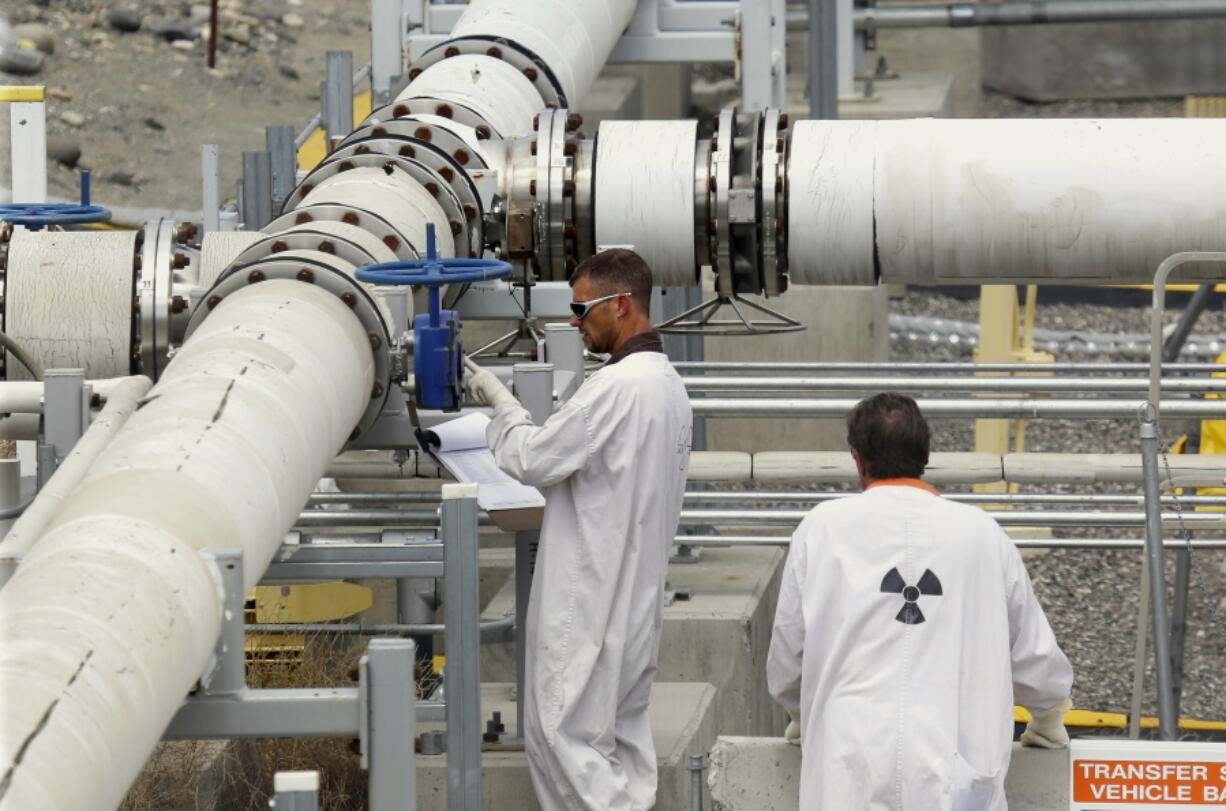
(484, 386)
(1048, 730)
(792, 733)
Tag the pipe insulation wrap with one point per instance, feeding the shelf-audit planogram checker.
(114, 612)
(219, 249)
(396, 197)
(962, 201)
(645, 177)
(491, 88)
(573, 37)
(68, 300)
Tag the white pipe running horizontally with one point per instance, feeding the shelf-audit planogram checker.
(114, 612)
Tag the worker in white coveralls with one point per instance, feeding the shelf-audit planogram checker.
(905, 632)
(611, 463)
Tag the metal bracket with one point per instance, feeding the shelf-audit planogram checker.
(700, 320)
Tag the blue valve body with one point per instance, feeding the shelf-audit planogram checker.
(438, 360)
(438, 355)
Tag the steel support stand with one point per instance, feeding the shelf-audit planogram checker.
(283, 160)
(256, 208)
(462, 680)
(295, 791)
(1167, 721)
(387, 36)
(533, 383)
(416, 601)
(386, 673)
(66, 399)
(337, 97)
(1179, 623)
(210, 187)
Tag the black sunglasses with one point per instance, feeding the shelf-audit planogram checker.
(581, 308)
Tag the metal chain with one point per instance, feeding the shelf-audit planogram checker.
(1216, 617)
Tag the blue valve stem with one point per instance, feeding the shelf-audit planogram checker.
(85, 187)
(432, 292)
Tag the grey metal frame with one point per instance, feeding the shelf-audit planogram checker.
(382, 710)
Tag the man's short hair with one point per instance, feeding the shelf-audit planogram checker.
(891, 436)
(618, 270)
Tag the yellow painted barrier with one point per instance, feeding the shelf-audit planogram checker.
(314, 149)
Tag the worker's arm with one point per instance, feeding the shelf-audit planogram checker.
(783, 662)
(543, 455)
(1042, 675)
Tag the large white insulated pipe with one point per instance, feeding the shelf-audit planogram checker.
(572, 40)
(933, 201)
(114, 612)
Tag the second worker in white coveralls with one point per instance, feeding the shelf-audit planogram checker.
(611, 463)
(905, 632)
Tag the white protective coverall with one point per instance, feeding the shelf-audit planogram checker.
(906, 630)
(612, 464)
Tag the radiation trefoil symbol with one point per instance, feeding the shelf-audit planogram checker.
(910, 613)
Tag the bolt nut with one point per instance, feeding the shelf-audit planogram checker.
(570, 148)
(380, 131)
(568, 187)
(530, 73)
(178, 304)
(569, 231)
(423, 133)
(432, 187)
(137, 262)
(532, 148)
(470, 212)
(375, 340)
(306, 275)
(187, 230)
(95, 400)
(778, 185)
(350, 299)
(345, 166)
(414, 73)
(391, 242)
(444, 110)
(446, 173)
(376, 390)
(279, 245)
(408, 151)
(451, 51)
(304, 216)
(327, 246)
(213, 302)
(712, 183)
(784, 121)
(255, 276)
(494, 51)
(536, 122)
(307, 188)
(456, 228)
(532, 187)
(714, 143)
(349, 218)
(180, 260)
(573, 122)
(401, 110)
(712, 227)
(362, 150)
(461, 156)
(779, 144)
(483, 132)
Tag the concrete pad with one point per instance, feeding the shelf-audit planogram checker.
(681, 725)
(764, 774)
(720, 635)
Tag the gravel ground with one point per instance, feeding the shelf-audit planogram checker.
(1091, 596)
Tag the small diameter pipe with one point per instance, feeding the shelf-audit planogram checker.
(489, 628)
(948, 408)
(123, 400)
(26, 396)
(890, 368)
(778, 517)
(1063, 385)
(958, 15)
(115, 612)
(1101, 544)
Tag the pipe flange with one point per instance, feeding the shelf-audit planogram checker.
(462, 155)
(514, 54)
(770, 193)
(704, 231)
(304, 270)
(583, 173)
(421, 174)
(556, 232)
(332, 212)
(300, 240)
(721, 232)
(153, 297)
(462, 189)
(429, 105)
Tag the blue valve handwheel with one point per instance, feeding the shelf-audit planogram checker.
(434, 272)
(37, 215)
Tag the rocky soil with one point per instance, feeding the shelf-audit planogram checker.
(130, 96)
